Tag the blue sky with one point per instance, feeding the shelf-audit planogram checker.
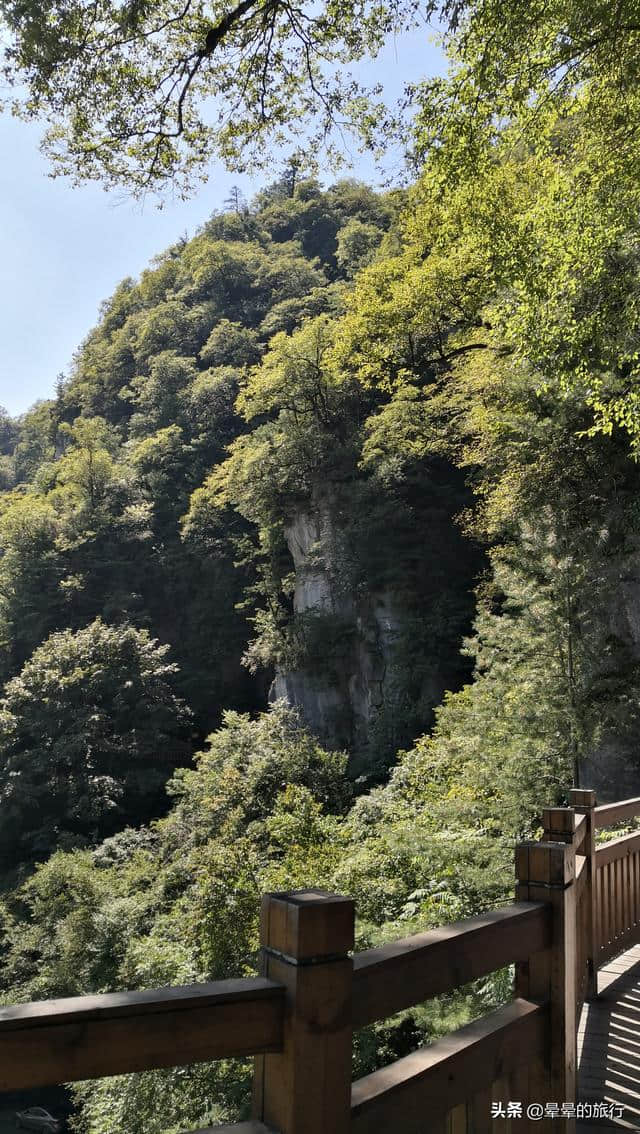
(64, 249)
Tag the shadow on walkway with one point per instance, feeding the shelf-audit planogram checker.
(609, 1045)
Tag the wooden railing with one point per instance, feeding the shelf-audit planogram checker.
(576, 906)
(617, 882)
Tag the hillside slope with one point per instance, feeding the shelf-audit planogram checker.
(343, 592)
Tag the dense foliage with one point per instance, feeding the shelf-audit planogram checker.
(283, 446)
(98, 479)
(158, 488)
(89, 732)
(145, 94)
(265, 808)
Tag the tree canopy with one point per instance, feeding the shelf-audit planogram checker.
(97, 480)
(89, 731)
(140, 94)
(137, 93)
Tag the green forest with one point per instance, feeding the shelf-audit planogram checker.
(320, 567)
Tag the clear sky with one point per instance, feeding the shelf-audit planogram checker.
(64, 249)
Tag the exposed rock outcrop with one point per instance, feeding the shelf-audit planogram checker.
(378, 647)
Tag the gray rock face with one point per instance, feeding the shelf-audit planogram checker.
(322, 693)
(321, 703)
(307, 536)
(352, 680)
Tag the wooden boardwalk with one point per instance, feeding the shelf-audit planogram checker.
(609, 1045)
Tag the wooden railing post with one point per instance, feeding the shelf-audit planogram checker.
(306, 937)
(546, 873)
(584, 802)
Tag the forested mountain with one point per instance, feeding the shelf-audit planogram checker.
(192, 519)
(104, 473)
(268, 453)
(371, 455)
(352, 589)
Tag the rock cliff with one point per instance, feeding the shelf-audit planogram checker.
(379, 610)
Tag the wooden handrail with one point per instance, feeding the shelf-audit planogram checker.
(110, 1005)
(617, 848)
(403, 973)
(434, 1079)
(609, 813)
(89, 1037)
(578, 905)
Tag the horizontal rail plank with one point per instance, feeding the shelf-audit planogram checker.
(88, 1037)
(609, 813)
(434, 1079)
(403, 973)
(617, 848)
(109, 1005)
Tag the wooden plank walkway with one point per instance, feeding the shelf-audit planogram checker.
(609, 1045)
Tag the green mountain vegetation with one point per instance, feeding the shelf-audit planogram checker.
(111, 517)
(321, 567)
(285, 372)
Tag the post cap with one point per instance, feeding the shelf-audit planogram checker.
(559, 820)
(307, 925)
(582, 797)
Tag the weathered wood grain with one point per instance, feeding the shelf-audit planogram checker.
(89, 1037)
(435, 1079)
